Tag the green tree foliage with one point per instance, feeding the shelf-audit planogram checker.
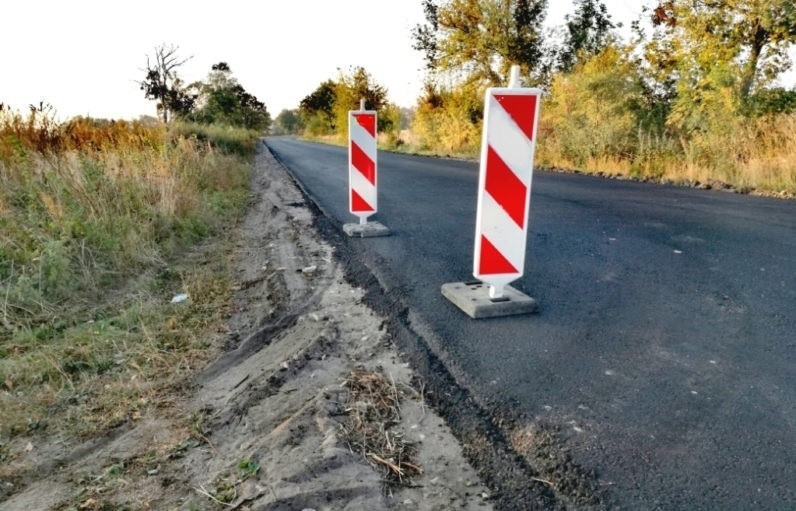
(588, 31)
(425, 36)
(689, 99)
(288, 122)
(470, 45)
(325, 110)
(350, 90)
(449, 120)
(593, 112)
(317, 109)
(718, 53)
(477, 41)
(391, 120)
(772, 101)
(164, 86)
(222, 100)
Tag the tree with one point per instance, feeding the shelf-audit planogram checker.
(425, 36)
(470, 45)
(223, 100)
(594, 112)
(317, 108)
(449, 119)
(479, 40)
(164, 86)
(288, 122)
(350, 90)
(325, 110)
(720, 52)
(588, 31)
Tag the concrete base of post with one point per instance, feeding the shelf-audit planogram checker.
(367, 230)
(473, 298)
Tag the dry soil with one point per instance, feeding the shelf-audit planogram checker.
(273, 423)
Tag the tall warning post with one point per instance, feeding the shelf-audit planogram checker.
(504, 192)
(363, 172)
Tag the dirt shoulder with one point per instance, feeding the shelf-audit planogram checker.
(290, 416)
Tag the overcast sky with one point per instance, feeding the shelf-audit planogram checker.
(85, 57)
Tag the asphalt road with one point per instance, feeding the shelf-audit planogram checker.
(665, 347)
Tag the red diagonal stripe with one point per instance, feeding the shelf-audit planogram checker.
(505, 187)
(363, 163)
(492, 261)
(521, 108)
(358, 203)
(367, 121)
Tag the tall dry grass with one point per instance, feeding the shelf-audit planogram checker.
(99, 221)
(599, 119)
(757, 154)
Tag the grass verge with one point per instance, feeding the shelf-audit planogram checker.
(101, 224)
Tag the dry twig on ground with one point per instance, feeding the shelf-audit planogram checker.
(372, 408)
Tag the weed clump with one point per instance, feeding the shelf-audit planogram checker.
(372, 409)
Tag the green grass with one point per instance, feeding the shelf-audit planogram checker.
(100, 225)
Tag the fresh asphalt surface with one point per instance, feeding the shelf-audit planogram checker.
(665, 345)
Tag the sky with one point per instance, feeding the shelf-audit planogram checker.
(86, 57)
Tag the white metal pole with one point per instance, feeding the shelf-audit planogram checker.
(514, 82)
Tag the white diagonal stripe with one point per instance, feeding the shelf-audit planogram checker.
(509, 142)
(507, 237)
(362, 138)
(357, 181)
(362, 186)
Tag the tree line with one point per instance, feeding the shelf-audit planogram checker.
(219, 99)
(691, 94)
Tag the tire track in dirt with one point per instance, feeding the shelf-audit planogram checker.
(523, 462)
(260, 427)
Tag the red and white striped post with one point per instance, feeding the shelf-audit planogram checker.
(362, 173)
(504, 192)
(362, 164)
(504, 185)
